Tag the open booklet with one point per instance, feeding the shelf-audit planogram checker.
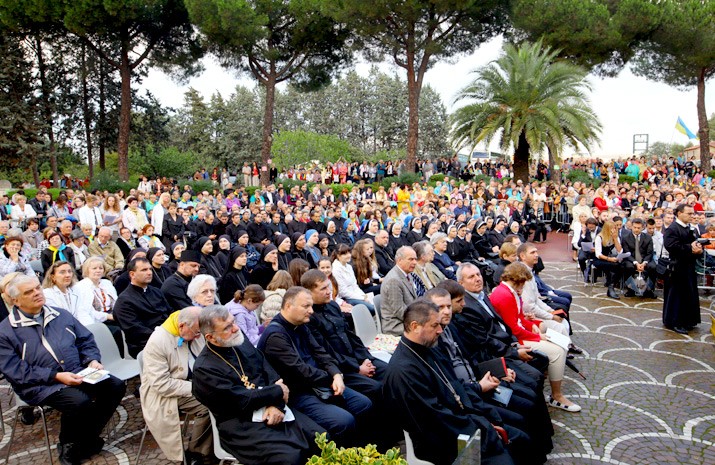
(93, 375)
(558, 339)
(258, 415)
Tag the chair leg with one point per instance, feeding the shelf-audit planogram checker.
(12, 435)
(47, 436)
(2, 420)
(141, 444)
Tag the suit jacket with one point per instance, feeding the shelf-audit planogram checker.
(385, 260)
(645, 246)
(397, 292)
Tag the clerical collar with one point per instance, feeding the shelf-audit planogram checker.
(37, 318)
(681, 223)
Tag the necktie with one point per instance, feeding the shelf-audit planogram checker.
(639, 257)
(419, 285)
(480, 298)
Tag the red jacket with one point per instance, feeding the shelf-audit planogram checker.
(600, 203)
(505, 304)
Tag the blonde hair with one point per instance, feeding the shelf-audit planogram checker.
(606, 238)
(281, 280)
(89, 262)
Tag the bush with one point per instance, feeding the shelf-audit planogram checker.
(109, 181)
(625, 178)
(330, 454)
(712, 174)
(199, 186)
(404, 178)
(299, 147)
(436, 177)
(582, 176)
(31, 193)
(168, 161)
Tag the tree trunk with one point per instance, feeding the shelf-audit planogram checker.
(704, 129)
(86, 114)
(33, 167)
(46, 110)
(102, 125)
(554, 174)
(270, 85)
(521, 159)
(413, 105)
(125, 113)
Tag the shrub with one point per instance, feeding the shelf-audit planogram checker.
(109, 181)
(199, 186)
(330, 454)
(584, 177)
(298, 147)
(482, 178)
(404, 178)
(627, 179)
(436, 177)
(712, 174)
(31, 193)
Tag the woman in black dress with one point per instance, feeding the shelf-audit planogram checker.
(236, 276)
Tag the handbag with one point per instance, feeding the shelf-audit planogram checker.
(665, 265)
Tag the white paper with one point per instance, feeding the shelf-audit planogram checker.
(558, 339)
(258, 415)
(622, 255)
(587, 246)
(93, 376)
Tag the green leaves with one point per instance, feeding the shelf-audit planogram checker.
(529, 101)
(331, 454)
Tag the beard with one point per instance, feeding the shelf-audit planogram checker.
(234, 341)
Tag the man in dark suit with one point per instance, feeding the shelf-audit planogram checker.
(486, 336)
(589, 236)
(385, 261)
(640, 246)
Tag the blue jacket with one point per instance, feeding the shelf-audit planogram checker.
(445, 264)
(29, 366)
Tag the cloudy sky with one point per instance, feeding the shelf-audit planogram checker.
(626, 105)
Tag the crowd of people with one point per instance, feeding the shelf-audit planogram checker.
(241, 305)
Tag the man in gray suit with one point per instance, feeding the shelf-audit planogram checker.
(399, 289)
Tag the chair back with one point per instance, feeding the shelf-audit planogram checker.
(219, 452)
(377, 302)
(123, 369)
(411, 458)
(365, 327)
(140, 359)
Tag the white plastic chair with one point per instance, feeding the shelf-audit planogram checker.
(411, 458)
(113, 362)
(377, 302)
(219, 452)
(19, 403)
(365, 326)
(366, 330)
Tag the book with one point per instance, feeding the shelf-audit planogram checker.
(496, 366)
(93, 375)
(558, 339)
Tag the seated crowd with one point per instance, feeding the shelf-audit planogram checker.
(241, 308)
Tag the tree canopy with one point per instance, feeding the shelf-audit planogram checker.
(527, 100)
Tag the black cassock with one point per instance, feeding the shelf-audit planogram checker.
(216, 385)
(425, 407)
(682, 304)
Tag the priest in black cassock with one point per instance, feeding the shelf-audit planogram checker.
(247, 398)
(428, 400)
(681, 306)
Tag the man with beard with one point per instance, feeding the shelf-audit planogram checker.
(247, 397)
(430, 402)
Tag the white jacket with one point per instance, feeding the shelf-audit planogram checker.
(75, 303)
(347, 283)
(532, 303)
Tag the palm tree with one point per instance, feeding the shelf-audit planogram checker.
(531, 102)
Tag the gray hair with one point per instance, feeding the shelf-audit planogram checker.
(14, 232)
(436, 237)
(402, 251)
(209, 315)
(197, 283)
(422, 248)
(189, 315)
(464, 266)
(105, 229)
(12, 288)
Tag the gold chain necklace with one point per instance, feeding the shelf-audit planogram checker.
(442, 377)
(242, 375)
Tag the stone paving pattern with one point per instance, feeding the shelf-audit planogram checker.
(649, 396)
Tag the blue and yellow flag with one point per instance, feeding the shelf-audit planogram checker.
(681, 127)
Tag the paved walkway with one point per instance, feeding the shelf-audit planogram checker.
(649, 396)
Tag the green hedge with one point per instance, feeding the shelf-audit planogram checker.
(625, 178)
(109, 181)
(31, 193)
(584, 177)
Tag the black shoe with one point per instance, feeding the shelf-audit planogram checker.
(630, 293)
(69, 454)
(649, 294)
(92, 447)
(574, 349)
(680, 330)
(28, 416)
(612, 293)
(570, 357)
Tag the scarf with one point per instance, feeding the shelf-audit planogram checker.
(57, 253)
(171, 325)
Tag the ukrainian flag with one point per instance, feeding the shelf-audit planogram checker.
(681, 127)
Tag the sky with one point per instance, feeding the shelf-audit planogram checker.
(626, 105)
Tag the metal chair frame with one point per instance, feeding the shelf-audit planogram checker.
(20, 403)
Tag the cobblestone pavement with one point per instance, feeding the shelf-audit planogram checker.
(649, 396)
